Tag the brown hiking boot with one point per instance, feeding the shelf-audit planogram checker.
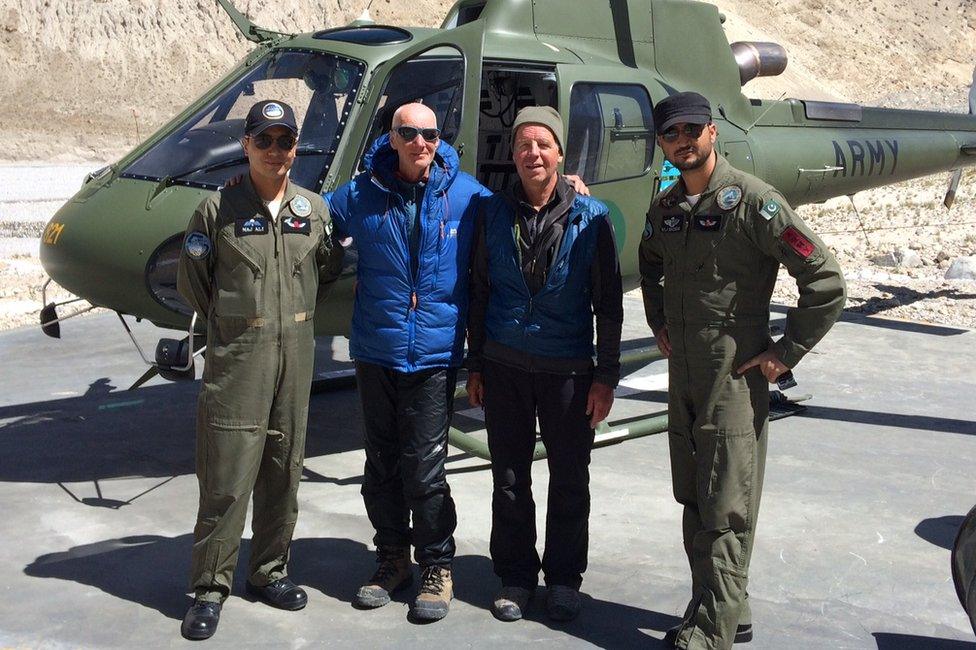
(392, 574)
(436, 592)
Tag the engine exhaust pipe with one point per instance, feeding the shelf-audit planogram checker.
(758, 59)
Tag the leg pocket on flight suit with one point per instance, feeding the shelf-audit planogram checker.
(232, 454)
(732, 438)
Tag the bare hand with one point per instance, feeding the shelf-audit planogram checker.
(234, 180)
(598, 403)
(663, 341)
(476, 389)
(578, 185)
(768, 363)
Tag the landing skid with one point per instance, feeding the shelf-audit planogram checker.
(607, 433)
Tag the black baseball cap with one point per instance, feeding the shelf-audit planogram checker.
(688, 108)
(267, 114)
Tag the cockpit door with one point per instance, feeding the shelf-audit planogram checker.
(442, 71)
(610, 143)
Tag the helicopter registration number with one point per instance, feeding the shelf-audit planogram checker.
(52, 233)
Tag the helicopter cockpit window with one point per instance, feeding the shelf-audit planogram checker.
(435, 79)
(611, 132)
(205, 149)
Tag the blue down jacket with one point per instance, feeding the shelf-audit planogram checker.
(400, 321)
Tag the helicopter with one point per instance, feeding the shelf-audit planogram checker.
(116, 243)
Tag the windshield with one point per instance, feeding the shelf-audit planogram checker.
(205, 150)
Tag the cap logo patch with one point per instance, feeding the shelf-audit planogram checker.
(301, 206)
(729, 197)
(800, 244)
(273, 111)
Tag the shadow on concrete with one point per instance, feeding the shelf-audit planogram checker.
(849, 316)
(890, 641)
(152, 571)
(602, 623)
(940, 531)
(149, 432)
(921, 422)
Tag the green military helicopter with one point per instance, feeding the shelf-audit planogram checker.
(116, 242)
(603, 65)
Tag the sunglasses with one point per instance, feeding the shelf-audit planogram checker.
(693, 131)
(263, 141)
(408, 133)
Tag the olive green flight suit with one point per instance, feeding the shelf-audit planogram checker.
(256, 280)
(718, 261)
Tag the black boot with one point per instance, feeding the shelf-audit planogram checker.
(200, 621)
(282, 593)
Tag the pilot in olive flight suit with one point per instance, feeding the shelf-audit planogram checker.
(257, 258)
(717, 238)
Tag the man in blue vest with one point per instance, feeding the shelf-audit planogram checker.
(544, 264)
(411, 215)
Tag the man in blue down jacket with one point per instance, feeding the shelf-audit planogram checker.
(411, 215)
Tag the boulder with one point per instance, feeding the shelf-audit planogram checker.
(962, 268)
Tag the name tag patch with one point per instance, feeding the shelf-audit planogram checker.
(800, 244)
(708, 223)
(673, 223)
(296, 225)
(252, 226)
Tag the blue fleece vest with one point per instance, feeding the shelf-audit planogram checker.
(558, 320)
(404, 320)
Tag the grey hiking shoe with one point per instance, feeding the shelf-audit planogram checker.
(510, 603)
(436, 591)
(392, 574)
(562, 603)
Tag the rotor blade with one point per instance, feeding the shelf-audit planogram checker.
(950, 195)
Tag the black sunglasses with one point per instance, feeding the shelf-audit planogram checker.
(263, 141)
(408, 133)
(694, 131)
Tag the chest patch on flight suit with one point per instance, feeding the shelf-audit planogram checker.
(296, 225)
(800, 244)
(301, 206)
(674, 223)
(729, 197)
(708, 223)
(252, 226)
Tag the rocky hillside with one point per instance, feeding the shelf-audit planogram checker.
(87, 79)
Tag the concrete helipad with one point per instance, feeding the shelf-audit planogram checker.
(864, 492)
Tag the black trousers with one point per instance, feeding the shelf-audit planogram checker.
(406, 417)
(513, 398)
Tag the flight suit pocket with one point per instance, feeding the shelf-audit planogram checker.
(728, 484)
(233, 453)
(237, 282)
(306, 280)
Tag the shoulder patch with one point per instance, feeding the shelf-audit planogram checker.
(769, 209)
(197, 245)
(798, 242)
(648, 229)
(728, 197)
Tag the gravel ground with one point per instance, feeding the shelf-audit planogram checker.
(909, 215)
